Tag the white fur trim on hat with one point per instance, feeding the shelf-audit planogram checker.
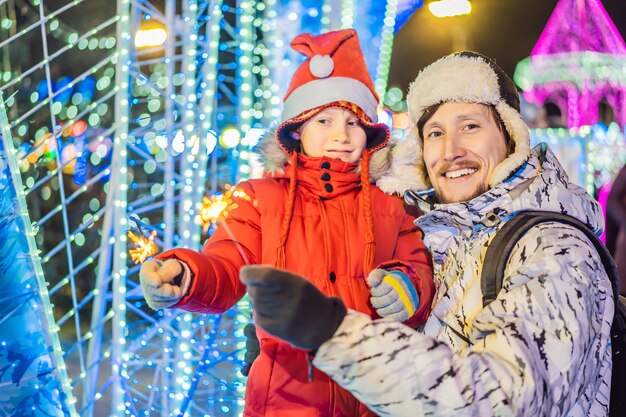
(327, 90)
(447, 80)
(321, 66)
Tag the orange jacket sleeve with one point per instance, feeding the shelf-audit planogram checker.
(236, 242)
(412, 257)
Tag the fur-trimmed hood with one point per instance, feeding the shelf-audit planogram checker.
(406, 167)
(274, 158)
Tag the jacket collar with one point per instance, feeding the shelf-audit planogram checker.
(325, 177)
(539, 184)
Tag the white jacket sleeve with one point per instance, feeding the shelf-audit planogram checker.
(537, 350)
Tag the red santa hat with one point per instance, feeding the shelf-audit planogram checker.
(334, 75)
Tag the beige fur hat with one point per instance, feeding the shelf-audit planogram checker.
(461, 77)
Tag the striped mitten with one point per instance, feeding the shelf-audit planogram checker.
(393, 295)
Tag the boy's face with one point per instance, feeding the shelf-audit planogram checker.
(462, 146)
(335, 133)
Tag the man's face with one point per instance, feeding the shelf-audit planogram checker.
(462, 146)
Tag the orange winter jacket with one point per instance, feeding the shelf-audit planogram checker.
(325, 244)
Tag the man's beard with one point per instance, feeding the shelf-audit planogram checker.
(479, 190)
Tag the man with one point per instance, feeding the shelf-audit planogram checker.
(542, 347)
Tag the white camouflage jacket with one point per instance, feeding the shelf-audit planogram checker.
(540, 349)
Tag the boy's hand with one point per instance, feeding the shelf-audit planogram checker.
(393, 295)
(163, 283)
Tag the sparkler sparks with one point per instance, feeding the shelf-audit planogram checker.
(144, 248)
(215, 208)
(144, 245)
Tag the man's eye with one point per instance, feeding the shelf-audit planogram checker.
(353, 123)
(434, 134)
(471, 126)
(323, 121)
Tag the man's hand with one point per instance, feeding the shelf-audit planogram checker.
(253, 348)
(163, 283)
(393, 295)
(290, 307)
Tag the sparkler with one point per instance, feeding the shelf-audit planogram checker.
(213, 211)
(144, 245)
(216, 208)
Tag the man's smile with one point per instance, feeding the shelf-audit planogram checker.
(458, 173)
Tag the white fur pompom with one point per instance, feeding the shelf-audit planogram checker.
(321, 66)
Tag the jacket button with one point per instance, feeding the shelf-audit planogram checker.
(328, 187)
(325, 176)
(333, 277)
(325, 165)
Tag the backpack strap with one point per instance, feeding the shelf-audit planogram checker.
(502, 244)
(497, 256)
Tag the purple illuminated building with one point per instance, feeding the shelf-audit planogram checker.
(578, 65)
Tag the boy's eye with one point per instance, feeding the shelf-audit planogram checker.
(323, 121)
(471, 126)
(353, 123)
(434, 134)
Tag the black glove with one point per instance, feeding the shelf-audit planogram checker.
(253, 348)
(291, 308)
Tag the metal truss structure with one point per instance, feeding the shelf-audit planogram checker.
(124, 148)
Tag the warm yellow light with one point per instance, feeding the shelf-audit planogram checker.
(448, 8)
(68, 158)
(145, 38)
(215, 208)
(144, 246)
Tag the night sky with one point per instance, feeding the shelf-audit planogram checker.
(506, 30)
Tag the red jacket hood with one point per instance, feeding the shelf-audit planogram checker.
(274, 158)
